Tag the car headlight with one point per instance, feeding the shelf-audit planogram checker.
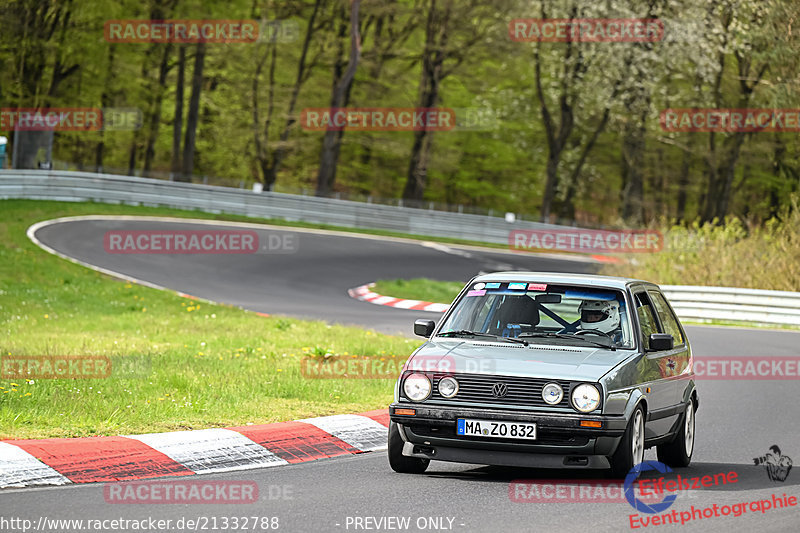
(417, 387)
(448, 387)
(552, 393)
(585, 398)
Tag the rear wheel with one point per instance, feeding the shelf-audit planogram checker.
(678, 453)
(398, 461)
(630, 451)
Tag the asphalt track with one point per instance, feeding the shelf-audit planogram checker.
(737, 420)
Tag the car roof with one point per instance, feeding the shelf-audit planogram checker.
(562, 279)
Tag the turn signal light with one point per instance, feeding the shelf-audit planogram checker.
(410, 412)
(591, 424)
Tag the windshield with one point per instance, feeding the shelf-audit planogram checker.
(536, 312)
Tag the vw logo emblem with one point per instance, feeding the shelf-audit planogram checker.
(499, 390)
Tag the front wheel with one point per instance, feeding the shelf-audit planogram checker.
(398, 461)
(678, 453)
(630, 451)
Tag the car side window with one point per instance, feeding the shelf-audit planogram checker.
(647, 319)
(666, 316)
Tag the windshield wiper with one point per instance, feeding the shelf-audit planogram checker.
(466, 332)
(569, 337)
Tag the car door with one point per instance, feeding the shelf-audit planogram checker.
(654, 368)
(677, 359)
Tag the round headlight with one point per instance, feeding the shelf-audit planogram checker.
(417, 387)
(585, 398)
(448, 387)
(552, 393)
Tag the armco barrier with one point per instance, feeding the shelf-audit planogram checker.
(82, 186)
(741, 305)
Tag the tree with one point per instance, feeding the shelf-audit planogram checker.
(331, 141)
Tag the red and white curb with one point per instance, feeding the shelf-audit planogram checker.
(25, 463)
(365, 294)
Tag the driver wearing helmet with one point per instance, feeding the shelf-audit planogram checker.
(601, 315)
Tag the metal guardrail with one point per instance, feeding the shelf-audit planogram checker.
(741, 305)
(693, 303)
(80, 186)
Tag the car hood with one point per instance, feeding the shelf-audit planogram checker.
(552, 361)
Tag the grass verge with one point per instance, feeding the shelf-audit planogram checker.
(426, 290)
(189, 364)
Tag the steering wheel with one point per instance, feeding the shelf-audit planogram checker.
(584, 331)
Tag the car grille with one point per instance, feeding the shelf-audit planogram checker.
(521, 391)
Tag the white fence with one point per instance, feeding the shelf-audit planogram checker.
(723, 303)
(109, 188)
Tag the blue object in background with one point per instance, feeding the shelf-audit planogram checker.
(3, 143)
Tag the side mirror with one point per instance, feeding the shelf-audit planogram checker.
(548, 298)
(423, 327)
(660, 342)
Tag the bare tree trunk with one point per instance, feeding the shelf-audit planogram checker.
(193, 114)
(433, 57)
(683, 181)
(270, 175)
(262, 155)
(154, 120)
(177, 123)
(331, 142)
(105, 101)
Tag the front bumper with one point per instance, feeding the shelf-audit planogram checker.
(561, 441)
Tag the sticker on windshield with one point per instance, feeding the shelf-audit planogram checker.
(476, 293)
(537, 286)
(479, 286)
(517, 286)
(493, 285)
(590, 295)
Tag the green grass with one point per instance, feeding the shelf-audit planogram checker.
(195, 365)
(424, 289)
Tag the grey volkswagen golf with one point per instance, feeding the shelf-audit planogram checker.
(550, 371)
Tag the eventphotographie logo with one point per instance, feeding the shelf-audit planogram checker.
(777, 465)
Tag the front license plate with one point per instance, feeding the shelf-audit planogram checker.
(469, 427)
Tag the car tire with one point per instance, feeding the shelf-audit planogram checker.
(678, 453)
(398, 461)
(630, 451)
